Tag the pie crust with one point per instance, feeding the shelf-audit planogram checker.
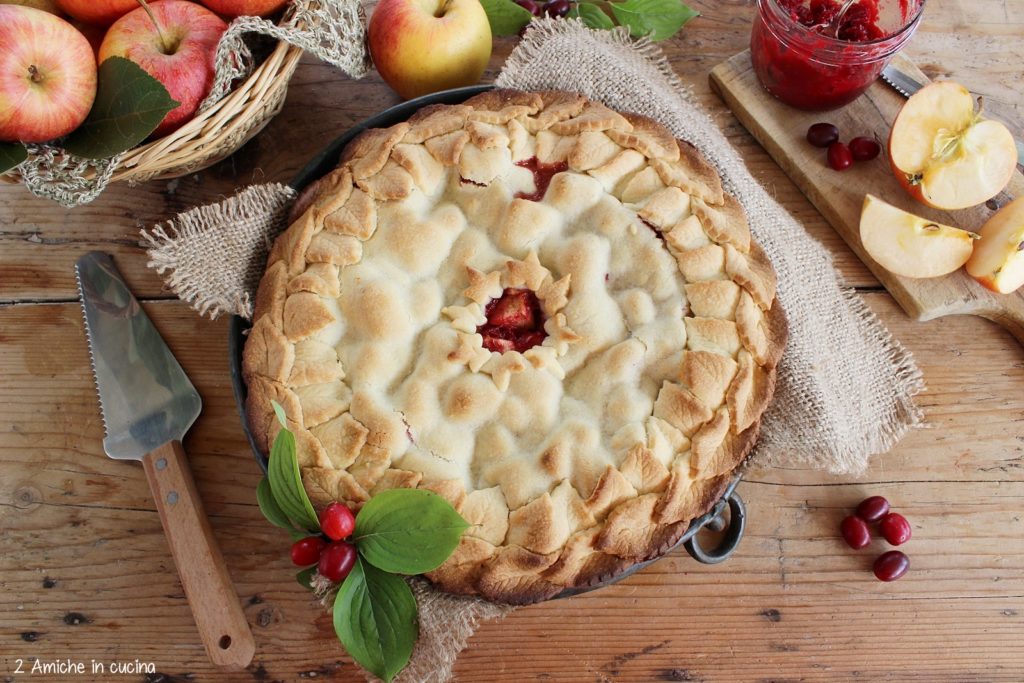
(581, 456)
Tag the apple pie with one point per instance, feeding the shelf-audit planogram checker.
(545, 311)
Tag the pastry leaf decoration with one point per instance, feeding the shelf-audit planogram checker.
(129, 105)
(11, 155)
(408, 531)
(398, 532)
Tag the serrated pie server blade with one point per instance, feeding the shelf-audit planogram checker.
(148, 403)
(145, 397)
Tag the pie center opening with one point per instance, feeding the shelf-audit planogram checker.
(542, 175)
(515, 322)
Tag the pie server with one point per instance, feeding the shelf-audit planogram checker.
(148, 403)
(907, 86)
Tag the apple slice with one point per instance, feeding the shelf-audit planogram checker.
(909, 245)
(998, 259)
(945, 154)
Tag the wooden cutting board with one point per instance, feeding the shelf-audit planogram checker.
(838, 196)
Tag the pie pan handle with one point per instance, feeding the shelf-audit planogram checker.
(733, 527)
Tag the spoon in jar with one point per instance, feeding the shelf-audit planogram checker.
(831, 29)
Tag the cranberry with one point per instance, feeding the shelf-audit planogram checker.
(306, 552)
(891, 565)
(336, 561)
(864, 149)
(855, 532)
(530, 6)
(558, 8)
(839, 157)
(873, 509)
(337, 521)
(822, 134)
(895, 528)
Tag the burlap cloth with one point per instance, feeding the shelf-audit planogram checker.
(329, 29)
(845, 385)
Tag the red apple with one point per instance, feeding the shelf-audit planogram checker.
(45, 5)
(102, 12)
(47, 75)
(178, 50)
(944, 153)
(422, 46)
(93, 33)
(249, 8)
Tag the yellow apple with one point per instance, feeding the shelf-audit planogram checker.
(422, 46)
(944, 153)
(909, 245)
(998, 259)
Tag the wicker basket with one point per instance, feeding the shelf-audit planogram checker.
(216, 133)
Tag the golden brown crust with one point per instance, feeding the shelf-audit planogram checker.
(380, 263)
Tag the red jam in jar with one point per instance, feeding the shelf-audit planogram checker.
(799, 61)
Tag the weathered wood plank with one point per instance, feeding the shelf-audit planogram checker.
(793, 603)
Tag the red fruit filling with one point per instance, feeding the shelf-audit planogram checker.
(859, 24)
(542, 174)
(515, 322)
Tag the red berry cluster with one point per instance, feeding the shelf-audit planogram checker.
(841, 155)
(332, 555)
(895, 529)
(553, 8)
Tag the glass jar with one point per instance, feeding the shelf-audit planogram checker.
(802, 67)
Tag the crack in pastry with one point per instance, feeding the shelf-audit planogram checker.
(545, 311)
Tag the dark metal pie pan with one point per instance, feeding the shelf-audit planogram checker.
(716, 519)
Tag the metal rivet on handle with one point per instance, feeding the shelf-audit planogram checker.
(161, 463)
(172, 497)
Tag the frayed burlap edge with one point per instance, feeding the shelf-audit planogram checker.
(217, 253)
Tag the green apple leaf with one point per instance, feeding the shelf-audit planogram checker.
(11, 154)
(592, 15)
(506, 17)
(375, 619)
(656, 19)
(407, 531)
(129, 105)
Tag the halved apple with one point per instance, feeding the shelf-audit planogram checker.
(998, 258)
(944, 153)
(909, 245)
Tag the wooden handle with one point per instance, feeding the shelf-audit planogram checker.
(218, 614)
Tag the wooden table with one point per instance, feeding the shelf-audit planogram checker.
(84, 567)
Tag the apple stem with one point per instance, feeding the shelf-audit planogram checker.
(34, 75)
(156, 24)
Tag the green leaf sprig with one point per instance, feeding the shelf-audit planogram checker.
(654, 19)
(398, 532)
(129, 105)
(11, 155)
